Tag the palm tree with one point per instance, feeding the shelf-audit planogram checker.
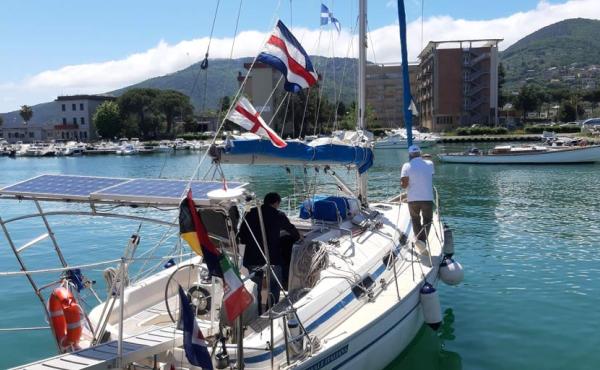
(26, 113)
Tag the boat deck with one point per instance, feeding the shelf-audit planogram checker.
(105, 356)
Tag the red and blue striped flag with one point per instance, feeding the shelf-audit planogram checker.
(284, 53)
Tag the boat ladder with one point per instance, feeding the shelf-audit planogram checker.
(106, 356)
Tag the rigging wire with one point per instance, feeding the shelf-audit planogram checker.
(214, 139)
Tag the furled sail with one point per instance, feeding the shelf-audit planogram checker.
(323, 151)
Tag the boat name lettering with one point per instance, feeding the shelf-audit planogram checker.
(330, 358)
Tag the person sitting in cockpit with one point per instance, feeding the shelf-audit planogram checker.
(275, 222)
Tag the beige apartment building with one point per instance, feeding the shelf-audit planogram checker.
(75, 113)
(385, 93)
(457, 84)
(261, 82)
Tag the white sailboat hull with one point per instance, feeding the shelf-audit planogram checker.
(571, 155)
(379, 342)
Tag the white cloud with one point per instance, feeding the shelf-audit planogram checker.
(165, 58)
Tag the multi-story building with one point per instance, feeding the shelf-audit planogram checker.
(75, 114)
(261, 81)
(18, 131)
(385, 93)
(458, 86)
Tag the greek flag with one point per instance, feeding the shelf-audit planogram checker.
(327, 16)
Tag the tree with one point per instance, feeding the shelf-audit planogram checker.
(26, 113)
(341, 110)
(224, 104)
(529, 99)
(107, 120)
(567, 111)
(594, 98)
(173, 104)
(140, 103)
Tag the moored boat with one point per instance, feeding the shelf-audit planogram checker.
(397, 139)
(508, 154)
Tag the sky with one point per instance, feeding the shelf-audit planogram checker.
(51, 48)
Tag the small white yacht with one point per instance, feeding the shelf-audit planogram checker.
(164, 146)
(396, 139)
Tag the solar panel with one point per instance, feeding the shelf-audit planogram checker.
(158, 191)
(112, 190)
(61, 186)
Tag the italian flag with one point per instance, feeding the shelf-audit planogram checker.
(235, 296)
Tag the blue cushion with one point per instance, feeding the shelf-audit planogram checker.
(325, 210)
(342, 205)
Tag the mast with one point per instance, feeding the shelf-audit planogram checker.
(362, 64)
(362, 96)
(405, 76)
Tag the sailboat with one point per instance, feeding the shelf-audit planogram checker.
(360, 286)
(397, 139)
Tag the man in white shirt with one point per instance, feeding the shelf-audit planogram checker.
(417, 178)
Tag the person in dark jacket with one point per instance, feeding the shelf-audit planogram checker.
(276, 223)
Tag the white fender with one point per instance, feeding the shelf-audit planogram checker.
(448, 248)
(451, 272)
(430, 302)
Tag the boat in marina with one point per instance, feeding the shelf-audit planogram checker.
(164, 146)
(535, 154)
(360, 285)
(40, 150)
(397, 139)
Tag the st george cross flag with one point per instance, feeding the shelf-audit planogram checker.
(327, 16)
(246, 116)
(284, 53)
(194, 343)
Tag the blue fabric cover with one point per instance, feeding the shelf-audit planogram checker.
(361, 157)
(325, 208)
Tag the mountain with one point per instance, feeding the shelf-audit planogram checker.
(218, 80)
(559, 53)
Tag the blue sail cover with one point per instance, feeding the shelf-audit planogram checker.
(297, 152)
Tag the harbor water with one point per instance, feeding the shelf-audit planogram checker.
(527, 236)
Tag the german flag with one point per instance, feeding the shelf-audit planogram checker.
(192, 230)
(236, 297)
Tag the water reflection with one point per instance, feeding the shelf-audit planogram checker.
(427, 352)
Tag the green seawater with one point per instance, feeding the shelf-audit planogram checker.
(527, 236)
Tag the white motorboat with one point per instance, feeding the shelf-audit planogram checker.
(40, 150)
(397, 139)
(181, 144)
(164, 146)
(360, 286)
(537, 154)
(127, 149)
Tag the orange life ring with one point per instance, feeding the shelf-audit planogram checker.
(65, 317)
